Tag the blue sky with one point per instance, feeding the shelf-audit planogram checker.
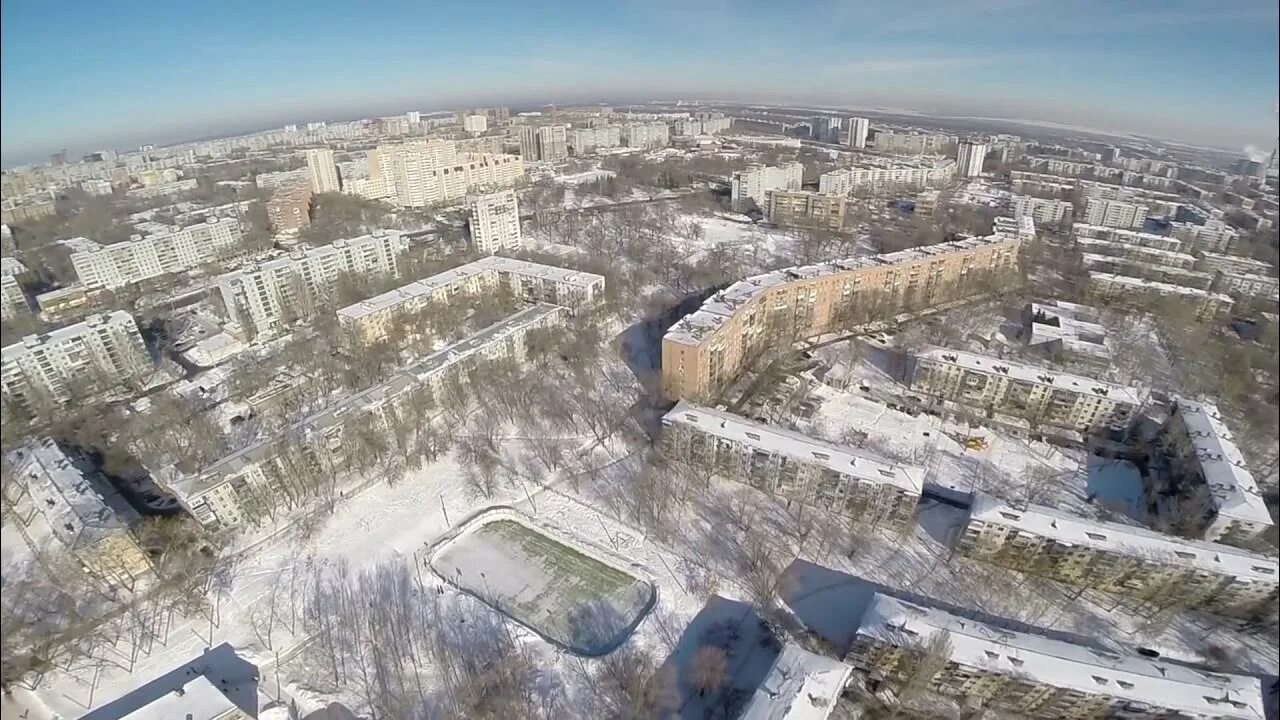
(85, 75)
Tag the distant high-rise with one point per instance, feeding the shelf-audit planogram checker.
(475, 123)
(858, 129)
(528, 137)
(413, 116)
(324, 172)
(495, 222)
(969, 158)
(553, 144)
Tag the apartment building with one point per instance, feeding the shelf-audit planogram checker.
(1142, 268)
(1147, 256)
(1129, 237)
(751, 186)
(264, 297)
(101, 354)
(527, 136)
(793, 465)
(1114, 213)
(646, 135)
(13, 300)
(895, 176)
(234, 490)
(289, 209)
(1044, 211)
(475, 124)
(1214, 236)
(970, 156)
(1203, 458)
(1234, 264)
(1042, 396)
(47, 487)
(142, 258)
(533, 282)
(584, 140)
(495, 222)
(1067, 333)
(1120, 559)
(553, 145)
(1033, 675)
(801, 208)
(419, 174)
(1241, 284)
(859, 128)
(1111, 288)
(707, 349)
(912, 143)
(323, 171)
(1025, 182)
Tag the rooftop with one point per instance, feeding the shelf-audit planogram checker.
(1160, 287)
(1064, 322)
(1065, 665)
(77, 512)
(1071, 529)
(788, 443)
(314, 253)
(1234, 490)
(800, 685)
(1032, 374)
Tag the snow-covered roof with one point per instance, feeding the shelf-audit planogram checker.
(199, 699)
(1154, 286)
(788, 443)
(454, 277)
(800, 685)
(1066, 323)
(1085, 230)
(1071, 529)
(1087, 670)
(76, 512)
(1031, 374)
(720, 307)
(1115, 247)
(1233, 488)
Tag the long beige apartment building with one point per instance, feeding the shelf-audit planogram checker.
(794, 465)
(707, 349)
(1120, 559)
(370, 319)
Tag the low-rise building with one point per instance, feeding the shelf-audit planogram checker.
(1146, 256)
(1129, 237)
(1219, 262)
(802, 208)
(1121, 559)
(1138, 268)
(75, 507)
(1126, 290)
(912, 143)
(1033, 675)
(1204, 460)
(1038, 394)
(793, 465)
(534, 282)
(1067, 333)
(800, 685)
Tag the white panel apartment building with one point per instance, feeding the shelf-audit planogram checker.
(1114, 213)
(754, 184)
(895, 176)
(969, 158)
(12, 299)
(1032, 675)
(1213, 236)
(535, 282)
(323, 171)
(1120, 559)
(646, 135)
(1044, 211)
(1203, 455)
(262, 297)
(430, 172)
(495, 222)
(1131, 237)
(126, 263)
(858, 131)
(793, 465)
(234, 490)
(584, 140)
(1123, 289)
(553, 144)
(103, 353)
(1038, 394)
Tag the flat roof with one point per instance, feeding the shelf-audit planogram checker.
(1233, 488)
(1071, 529)
(77, 513)
(1032, 374)
(1151, 252)
(1160, 287)
(1063, 664)
(789, 443)
(800, 685)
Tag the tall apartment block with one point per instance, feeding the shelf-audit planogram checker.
(1042, 396)
(47, 485)
(1114, 213)
(969, 158)
(553, 143)
(646, 135)
(801, 208)
(234, 490)
(475, 124)
(532, 282)
(527, 136)
(795, 466)
(1120, 559)
(263, 297)
(707, 349)
(323, 171)
(1044, 211)
(418, 174)
(1033, 675)
(1204, 459)
(858, 130)
(495, 222)
(752, 185)
(1213, 236)
(584, 140)
(890, 176)
(125, 263)
(912, 143)
(101, 354)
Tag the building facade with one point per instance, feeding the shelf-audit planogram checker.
(1044, 211)
(142, 258)
(1129, 237)
(323, 171)
(1214, 236)
(419, 174)
(646, 135)
(1110, 288)
(707, 349)
(894, 176)
(859, 128)
(752, 186)
(553, 144)
(801, 208)
(1114, 213)
(584, 140)
(495, 222)
(794, 466)
(289, 209)
(970, 156)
